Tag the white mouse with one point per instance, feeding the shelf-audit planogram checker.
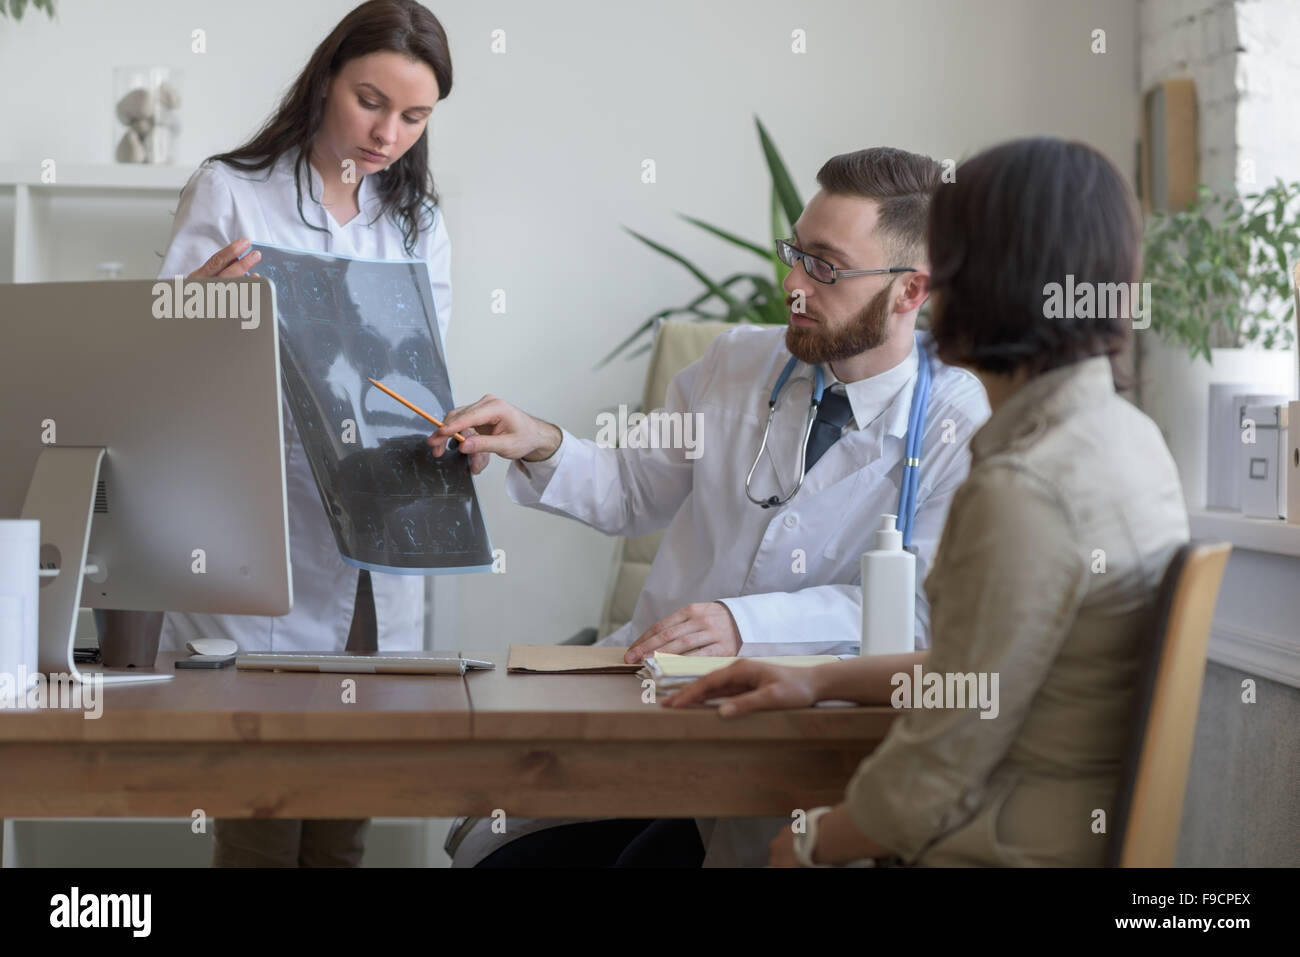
(212, 646)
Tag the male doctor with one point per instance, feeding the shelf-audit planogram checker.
(736, 577)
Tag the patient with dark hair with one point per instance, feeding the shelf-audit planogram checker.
(1048, 569)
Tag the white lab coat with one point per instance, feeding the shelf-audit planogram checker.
(790, 575)
(219, 205)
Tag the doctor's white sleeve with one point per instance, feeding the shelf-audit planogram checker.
(821, 620)
(204, 223)
(619, 491)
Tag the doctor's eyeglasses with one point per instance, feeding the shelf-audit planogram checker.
(821, 270)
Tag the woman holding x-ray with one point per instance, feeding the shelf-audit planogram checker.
(342, 166)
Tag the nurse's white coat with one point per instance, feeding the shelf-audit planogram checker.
(219, 205)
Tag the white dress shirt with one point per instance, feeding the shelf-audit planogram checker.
(219, 205)
(790, 575)
(870, 397)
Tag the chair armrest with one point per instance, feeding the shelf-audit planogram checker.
(585, 637)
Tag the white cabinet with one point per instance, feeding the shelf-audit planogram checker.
(90, 214)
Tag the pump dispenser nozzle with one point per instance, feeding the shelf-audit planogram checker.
(888, 537)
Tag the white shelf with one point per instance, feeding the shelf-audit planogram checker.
(1254, 534)
(125, 208)
(104, 176)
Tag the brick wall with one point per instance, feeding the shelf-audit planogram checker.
(1197, 38)
(1268, 90)
(1245, 58)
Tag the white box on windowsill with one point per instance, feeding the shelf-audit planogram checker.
(1262, 472)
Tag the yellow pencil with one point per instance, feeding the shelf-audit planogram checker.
(414, 408)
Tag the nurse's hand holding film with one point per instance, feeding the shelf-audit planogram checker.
(494, 425)
(704, 628)
(226, 264)
(750, 686)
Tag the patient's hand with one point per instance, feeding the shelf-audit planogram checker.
(751, 686)
(705, 628)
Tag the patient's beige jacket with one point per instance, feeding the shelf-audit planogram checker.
(1046, 575)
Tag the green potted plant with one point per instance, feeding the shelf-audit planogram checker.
(754, 296)
(1220, 270)
(1222, 310)
(16, 8)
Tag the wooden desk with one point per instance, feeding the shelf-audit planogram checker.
(255, 744)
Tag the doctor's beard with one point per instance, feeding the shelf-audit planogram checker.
(867, 330)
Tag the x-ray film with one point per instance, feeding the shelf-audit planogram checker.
(393, 506)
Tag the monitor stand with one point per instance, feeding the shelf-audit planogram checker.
(62, 497)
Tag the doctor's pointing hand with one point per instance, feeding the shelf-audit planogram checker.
(494, 425)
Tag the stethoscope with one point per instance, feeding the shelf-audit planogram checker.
(912, 454)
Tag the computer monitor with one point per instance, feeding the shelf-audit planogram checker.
(141, 422)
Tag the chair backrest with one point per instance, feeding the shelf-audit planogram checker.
(677, 344)
(1168, 696)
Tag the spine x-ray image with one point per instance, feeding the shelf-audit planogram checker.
(393, 506)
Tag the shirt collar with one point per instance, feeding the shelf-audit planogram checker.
(286, 165)
(1045, 399)
(887, 393)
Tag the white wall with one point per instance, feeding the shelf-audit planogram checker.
(540, 152)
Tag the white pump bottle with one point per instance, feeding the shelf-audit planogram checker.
(888, 593)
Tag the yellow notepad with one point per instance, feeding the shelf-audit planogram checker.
(692, 666)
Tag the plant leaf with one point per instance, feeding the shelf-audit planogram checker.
(781, 180)
(729, 237)
(694, 270)
(780, 230)
(691, 307)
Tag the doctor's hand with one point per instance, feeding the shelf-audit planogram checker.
(226, 264)
(478, 461)
(751, 686)
(705, 628)
(494, 425)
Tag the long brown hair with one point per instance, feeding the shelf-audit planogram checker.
(399, 26)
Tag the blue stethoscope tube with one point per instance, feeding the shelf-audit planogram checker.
(912, 453)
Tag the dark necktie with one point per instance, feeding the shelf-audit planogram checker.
(832, 415)
(364, 634)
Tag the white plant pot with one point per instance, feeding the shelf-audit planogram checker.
(1176, 394)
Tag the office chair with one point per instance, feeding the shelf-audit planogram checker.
(1154, 781)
